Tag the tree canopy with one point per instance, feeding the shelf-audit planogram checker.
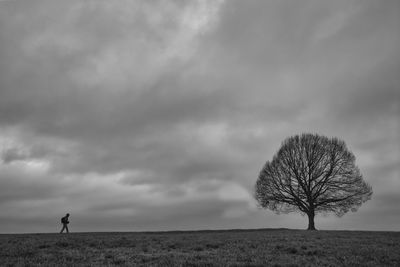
(312, 174)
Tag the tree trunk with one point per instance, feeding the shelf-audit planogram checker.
(311, 216)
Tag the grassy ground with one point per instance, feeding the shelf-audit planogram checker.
(207, 248)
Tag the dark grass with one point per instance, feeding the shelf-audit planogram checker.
(203, 248)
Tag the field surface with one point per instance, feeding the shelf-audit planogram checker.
(203, 248)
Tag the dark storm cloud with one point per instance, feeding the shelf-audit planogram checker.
(160, 114)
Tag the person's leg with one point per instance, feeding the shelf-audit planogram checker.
(62, 229)
(66, 227)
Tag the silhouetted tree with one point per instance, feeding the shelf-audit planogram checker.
(312, 174)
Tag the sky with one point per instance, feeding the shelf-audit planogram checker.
(159, 115)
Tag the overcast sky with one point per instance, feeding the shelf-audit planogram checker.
(158, 115)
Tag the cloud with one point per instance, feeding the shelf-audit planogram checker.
(158, 115)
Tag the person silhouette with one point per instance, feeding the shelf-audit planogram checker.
(65, 222)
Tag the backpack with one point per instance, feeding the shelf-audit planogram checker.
(63, 220)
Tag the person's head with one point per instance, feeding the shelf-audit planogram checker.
(67, 214)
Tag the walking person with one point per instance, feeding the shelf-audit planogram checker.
(65, 222)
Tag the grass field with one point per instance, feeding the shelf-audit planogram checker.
(203, 248)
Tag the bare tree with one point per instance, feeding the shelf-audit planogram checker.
(312, 174)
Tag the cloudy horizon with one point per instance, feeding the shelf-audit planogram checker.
(159, 115)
